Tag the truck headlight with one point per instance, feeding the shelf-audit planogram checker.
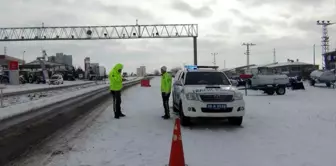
(191, 96)
(238, 96)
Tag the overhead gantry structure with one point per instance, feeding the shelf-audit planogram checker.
(136, 31)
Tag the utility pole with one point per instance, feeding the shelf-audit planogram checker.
(224, 64)
(324, 39)
(23, 54)
(248, 53)
(274, 56)
(314, 55)
(214, 55)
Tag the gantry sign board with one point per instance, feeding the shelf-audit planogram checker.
(99, 32)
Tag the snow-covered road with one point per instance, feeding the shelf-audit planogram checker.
(298, 129)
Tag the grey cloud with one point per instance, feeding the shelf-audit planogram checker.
(260, 21)
(276, 2)
(202, 12)
(286, 15)
(308, 25)
(247, 29)
(223, 26)
(156, 52)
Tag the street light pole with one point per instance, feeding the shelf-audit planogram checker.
(23, 56)
(314, 55)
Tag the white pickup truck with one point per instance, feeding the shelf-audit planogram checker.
(206, 93)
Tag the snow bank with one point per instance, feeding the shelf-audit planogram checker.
(25, 107)
(25, 87)
(30, 96)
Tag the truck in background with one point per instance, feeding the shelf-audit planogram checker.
(102, 73)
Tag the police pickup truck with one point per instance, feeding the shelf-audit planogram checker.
(205, 92)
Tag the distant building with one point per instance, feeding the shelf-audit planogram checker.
(138, 72)
(61, 58)
(330, 60)
(87, 66)
(94, 68)
(141, 71)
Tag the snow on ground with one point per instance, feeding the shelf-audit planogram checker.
(297, 129)
(27, 86)
(18, 99)
(24, 87)
(13, 110)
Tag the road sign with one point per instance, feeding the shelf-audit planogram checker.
(13, 65)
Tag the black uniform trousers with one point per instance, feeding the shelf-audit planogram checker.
(116, 103)
(165, 100)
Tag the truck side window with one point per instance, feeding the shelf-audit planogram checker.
(182, 77)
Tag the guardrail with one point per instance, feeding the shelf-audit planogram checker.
(18, 133)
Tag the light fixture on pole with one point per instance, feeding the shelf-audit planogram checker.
(324, 38)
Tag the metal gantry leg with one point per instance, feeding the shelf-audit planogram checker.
(195, 50)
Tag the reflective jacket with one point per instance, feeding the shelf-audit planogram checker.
(166, 83)
(116, 78)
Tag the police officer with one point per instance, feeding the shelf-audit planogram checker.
(166, 81)
(115, 88)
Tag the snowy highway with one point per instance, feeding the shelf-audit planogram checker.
(297, 129)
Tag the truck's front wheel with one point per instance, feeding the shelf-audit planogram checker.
(185, 121)
(280, 90)
(312, 82)
(237, 121)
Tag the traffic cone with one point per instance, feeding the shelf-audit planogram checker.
(176, 153)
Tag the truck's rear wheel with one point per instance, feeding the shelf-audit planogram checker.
(312, 82)
(269, 91)
(280, 90)
(237, 121)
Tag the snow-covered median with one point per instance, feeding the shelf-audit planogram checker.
(32, 105)
(26, 87)
(27, 97)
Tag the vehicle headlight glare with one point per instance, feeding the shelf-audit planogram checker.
(191, 96)
(238, 96)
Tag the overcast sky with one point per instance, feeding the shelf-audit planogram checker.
(289, 26)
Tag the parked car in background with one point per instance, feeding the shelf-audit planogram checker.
(4, 79)
(56, 79)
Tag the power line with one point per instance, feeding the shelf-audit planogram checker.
(248, 53)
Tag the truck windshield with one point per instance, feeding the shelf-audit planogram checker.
(54, 77)
(206, 78)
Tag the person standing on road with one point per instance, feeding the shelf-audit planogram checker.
(115, 88)
(166, 81)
